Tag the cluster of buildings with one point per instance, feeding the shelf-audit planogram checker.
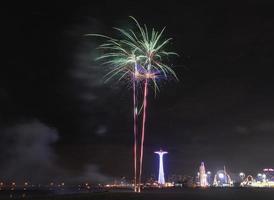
(221, 178)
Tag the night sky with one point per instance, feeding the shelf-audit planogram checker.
(58, 119)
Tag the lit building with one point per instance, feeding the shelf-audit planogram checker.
(202, 176)
(161, 176)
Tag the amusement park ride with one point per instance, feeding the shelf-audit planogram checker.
(223, 179)
(264, 179)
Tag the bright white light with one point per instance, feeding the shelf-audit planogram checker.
(241, 174)
(264, 176)
(268, 170)
(221, 175)
(259, 175)
(208, 172)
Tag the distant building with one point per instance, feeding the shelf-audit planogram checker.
(202, 176)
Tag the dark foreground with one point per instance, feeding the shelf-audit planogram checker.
(157, 194)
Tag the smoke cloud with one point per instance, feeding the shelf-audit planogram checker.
(27, 154)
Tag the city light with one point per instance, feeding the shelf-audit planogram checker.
(221, 175)
(221, 178)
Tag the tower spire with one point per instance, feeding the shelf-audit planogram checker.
(161, 176)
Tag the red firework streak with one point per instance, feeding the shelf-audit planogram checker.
(135, 135)
(143, 134)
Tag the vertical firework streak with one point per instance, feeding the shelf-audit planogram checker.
(135, 112)
(140, 55)
(144, 122)
(143, 133)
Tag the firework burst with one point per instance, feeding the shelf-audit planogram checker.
(140, 56)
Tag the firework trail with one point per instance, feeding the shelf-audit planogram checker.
(143, 133)
(138, 56)
(135, 112)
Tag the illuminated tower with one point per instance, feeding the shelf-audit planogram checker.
(161, 176)
(203, 175)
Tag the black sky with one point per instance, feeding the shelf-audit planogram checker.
(220, 112)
